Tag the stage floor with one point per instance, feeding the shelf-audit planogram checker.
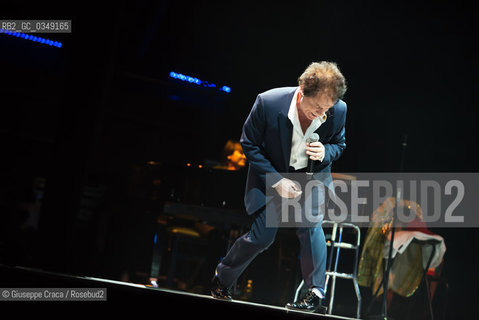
(184, 303)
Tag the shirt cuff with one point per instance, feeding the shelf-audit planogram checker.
(276, 184)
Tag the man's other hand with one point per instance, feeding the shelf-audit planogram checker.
(288, 189)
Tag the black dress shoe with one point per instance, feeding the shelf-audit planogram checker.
(310, 303)
(220, 292)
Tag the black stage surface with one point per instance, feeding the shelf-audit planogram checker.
(122, 295)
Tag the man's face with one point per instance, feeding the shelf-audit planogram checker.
(314, 107)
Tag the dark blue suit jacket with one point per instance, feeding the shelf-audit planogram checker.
(266, 141)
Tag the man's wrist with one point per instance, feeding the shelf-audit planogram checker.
(277, 183)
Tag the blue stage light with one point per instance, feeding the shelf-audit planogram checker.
(226, 89)
(197, 81)
(32, 38)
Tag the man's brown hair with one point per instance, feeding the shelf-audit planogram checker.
(323, 77)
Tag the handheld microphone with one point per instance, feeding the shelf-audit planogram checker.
(313, 138)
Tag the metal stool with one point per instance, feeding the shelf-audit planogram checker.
(338, 244)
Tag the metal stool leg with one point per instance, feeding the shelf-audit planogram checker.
(296, 295)
(355, 272)
(333, 285)
(358, 296)
(330, 257)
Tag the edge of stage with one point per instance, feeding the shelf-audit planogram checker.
(165, 301)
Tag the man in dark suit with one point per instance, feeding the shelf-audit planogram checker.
(275, 141)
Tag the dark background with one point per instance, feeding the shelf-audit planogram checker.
(89, 116)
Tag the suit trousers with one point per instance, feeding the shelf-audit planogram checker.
(313, 251)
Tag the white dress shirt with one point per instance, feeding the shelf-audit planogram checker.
(299, 158)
